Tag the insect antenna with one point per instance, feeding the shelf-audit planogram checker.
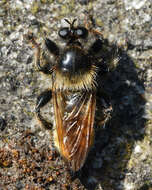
(71, 24)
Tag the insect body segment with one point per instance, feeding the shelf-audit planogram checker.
(74, 87)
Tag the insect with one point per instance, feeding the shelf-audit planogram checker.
(74, 74)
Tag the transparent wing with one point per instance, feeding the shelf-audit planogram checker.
(74, 115)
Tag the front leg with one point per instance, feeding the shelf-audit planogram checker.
(42, 60)
(42, 100)
(96, 47)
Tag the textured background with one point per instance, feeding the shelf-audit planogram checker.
(121, 158)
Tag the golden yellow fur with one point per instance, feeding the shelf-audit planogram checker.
(86, 81)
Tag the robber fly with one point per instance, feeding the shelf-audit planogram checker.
(74, 86)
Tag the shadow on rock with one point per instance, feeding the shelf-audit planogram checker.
(108, 160)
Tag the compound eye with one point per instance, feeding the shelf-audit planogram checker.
(81, 32)
(64, 32)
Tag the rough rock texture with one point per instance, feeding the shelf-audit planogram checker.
(121, 158)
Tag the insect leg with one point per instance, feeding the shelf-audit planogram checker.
(103, 104)
(47, 67)
(42, 100)
(96, 47)
(52, 47)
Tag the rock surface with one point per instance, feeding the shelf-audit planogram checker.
(121, 158)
